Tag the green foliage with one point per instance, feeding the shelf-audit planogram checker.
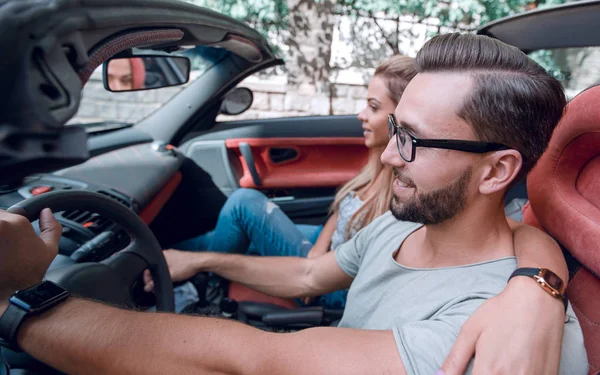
(376, 30)
(269, 17)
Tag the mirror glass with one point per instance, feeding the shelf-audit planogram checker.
(145, 72)
(237, 101)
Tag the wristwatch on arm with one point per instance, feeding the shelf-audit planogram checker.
(548, 280)
(30, 301)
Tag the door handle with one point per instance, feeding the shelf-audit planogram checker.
(282, 154)
(246, 152)
(282, 199)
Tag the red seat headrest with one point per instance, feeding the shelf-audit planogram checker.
(564, 186)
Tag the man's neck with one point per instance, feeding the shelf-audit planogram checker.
(474, 236)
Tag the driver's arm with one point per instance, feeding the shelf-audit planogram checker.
(79, 336)
(280, 276)
(286, 277)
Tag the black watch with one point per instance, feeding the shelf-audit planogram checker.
(33, 300)
(548, 280)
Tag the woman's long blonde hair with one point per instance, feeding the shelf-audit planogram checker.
(397, 71)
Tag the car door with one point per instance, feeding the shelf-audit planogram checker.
(297, 162)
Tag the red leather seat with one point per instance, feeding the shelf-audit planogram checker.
(564, 193)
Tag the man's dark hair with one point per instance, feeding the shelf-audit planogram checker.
(514, 100)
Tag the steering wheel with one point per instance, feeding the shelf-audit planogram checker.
(112, 279)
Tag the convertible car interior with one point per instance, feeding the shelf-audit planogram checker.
(148, 185)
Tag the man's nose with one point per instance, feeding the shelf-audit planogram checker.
(391, 155)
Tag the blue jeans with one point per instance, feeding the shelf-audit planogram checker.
(251, 224)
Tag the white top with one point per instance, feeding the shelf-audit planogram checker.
(348, 207)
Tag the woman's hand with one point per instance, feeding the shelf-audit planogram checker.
(520, 330)
(517, 332)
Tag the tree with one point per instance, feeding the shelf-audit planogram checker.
(374, 29)
(381, 28)
(302, 28)
(309, 43)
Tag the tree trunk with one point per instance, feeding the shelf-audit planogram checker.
(310, 36)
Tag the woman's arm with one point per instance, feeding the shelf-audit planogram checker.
(520, 330)
(534, 248)
(324, 241)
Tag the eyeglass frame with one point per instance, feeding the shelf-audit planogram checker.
(476, 147)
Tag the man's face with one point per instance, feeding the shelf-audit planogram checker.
(435, 187)
(119, 75)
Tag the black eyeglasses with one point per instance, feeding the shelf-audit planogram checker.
(408, 143)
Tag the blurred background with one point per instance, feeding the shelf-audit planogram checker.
(331, 48)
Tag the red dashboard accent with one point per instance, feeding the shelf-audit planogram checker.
(160, 199)
(40, 190)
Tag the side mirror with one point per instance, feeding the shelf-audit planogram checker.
(145, 72)
(237, 101)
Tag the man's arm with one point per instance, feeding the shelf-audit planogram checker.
(286, 277)
(85, 337)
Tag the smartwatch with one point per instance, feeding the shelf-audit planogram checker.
(30, 301)
(548, 280)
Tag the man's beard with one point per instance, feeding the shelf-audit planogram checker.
(433, 207)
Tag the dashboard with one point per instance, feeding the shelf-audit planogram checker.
(141, 177)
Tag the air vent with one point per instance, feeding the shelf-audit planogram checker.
(93, 221)
(78, 216)
(86, 219)
(119, 199)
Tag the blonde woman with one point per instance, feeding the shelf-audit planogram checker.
(250, 223)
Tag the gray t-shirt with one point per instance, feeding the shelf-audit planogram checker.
(425, 307)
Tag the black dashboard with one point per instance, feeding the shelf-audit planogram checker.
(132, 176)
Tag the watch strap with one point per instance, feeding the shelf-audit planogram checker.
(531, 272)
(525, 271)
(9, 326)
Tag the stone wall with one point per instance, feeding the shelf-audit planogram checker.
(271, 100)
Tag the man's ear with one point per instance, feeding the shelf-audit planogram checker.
(502, 167)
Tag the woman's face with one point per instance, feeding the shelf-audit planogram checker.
(374, 116)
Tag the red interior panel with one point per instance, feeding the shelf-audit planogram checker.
(321, 162)
(157, 203)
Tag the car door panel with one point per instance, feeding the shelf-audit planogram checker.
(298, 162)
(319, 162)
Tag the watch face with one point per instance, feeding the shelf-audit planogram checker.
(553, 280)
(38, 296)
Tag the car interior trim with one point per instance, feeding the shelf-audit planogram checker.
(320, 162)
(152, 209)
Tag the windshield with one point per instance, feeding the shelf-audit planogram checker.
(576, 68)
(102, 110)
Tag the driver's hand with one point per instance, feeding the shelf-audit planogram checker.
(25, 257)
(180, 267)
